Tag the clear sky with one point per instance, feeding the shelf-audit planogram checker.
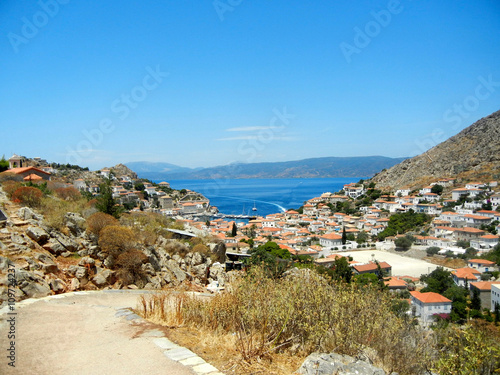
(204, 83)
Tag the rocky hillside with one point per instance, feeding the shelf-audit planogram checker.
(472, 154)
(45, 261)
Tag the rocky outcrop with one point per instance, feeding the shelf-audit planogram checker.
(474, 153)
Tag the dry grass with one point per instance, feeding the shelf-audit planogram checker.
(447, 262)
(269, 319)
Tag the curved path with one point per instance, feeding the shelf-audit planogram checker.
(90, 333)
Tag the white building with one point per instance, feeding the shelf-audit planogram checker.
(330, 240)
(426, 305)
(495, 295)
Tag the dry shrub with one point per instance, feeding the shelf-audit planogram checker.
(10, 187)
(99, 220)
(129, 267)
(115, 239)
(200, 248)
(473, 349)
(68, 193)
(29, 196)
(54, 209)
(165, 307)
(175, 247)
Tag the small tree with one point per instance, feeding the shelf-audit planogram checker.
(234, 230)
(4, 164)
(105, 202)
(437, 189)
(403, 243)
(475, 300)
(344, 236)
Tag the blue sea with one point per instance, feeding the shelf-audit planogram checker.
(239, 196)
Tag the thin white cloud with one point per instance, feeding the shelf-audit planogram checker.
(251, 128)
(256, 137)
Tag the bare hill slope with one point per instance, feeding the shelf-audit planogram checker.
(474, 153)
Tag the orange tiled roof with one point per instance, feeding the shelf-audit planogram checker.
(484, 285)
(429, 297)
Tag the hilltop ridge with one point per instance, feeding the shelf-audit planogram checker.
(472, 154)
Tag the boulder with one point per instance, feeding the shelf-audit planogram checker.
(218, 273)
(26, 213)
(18, 239)
(200, 272)
(75, 223)
(37, 234)
(55, 248)
(75, 284)
(58, 286)
(220, 252)
(65, 241)
(103, 278)
(332, 363)
(174, 268)
(31, 284)
(86, 260)
(47, 263)
(197, 259)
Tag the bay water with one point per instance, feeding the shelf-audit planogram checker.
(240, 196)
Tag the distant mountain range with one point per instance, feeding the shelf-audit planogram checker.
(361, 166)
(472, 154)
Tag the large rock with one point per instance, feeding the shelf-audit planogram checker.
(200, 272)
(31, 284)
(75, 223)
(58, 286)
(55, 248)
(220, 252)
(218, 273)
(37, 234)
(65, 241)
(178, 273)
(26, 213)
(47, 264)
(104, 278)
(328, 364)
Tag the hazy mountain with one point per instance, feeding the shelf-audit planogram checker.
(156, 170)
(472, 154)
(362, 166)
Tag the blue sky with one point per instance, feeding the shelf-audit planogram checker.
(205, 83)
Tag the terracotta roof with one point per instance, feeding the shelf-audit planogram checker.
(371, 266)
(466, 273)
(395, 282)
(331, 236)
(484, 285)
(482, 261)
(32, 177)
(429, 297)
(25, 169)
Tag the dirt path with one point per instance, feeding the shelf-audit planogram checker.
(90, 333)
